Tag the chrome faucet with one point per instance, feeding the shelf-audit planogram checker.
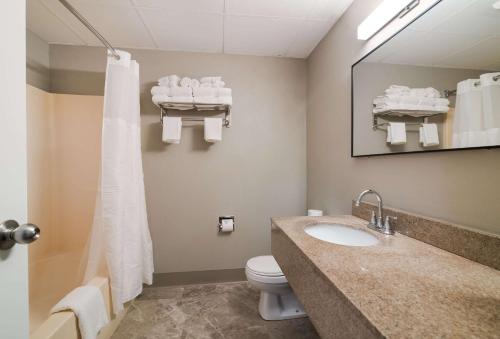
(376, 219)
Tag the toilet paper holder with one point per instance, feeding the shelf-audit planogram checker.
(225, 217)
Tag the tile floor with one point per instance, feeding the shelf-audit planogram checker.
(226, 310)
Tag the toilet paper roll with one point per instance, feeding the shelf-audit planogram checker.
(227, 225)
(315, 213)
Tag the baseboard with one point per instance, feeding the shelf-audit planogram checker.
(198, 277)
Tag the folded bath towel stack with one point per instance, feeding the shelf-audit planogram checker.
(215, 82)
(208, 90)
(173, 89)
(169, 81)
(402, 98)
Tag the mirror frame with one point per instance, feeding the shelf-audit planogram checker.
(352, 100)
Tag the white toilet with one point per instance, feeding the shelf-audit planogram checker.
(277, 300)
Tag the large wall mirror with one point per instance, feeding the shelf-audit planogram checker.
(433, 86)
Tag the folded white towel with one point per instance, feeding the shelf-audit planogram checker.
(429, 135)
(169, 81)
(408, 107)
(172, 77)
(428, 92)
(187, 82)
(396, 89)
(396, 133)
(441, 102)
(218, 84)
(87, 304)
(159, 98)
(195, 83)
(160, 90)
(206, 100)
(225, 100)
(399, 88)
(224, 92)
(204, 92)
(213, 129)
(211, 79)
(172, 128)
(181, 92)
(181, 99)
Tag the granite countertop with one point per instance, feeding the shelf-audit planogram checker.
(404, 287)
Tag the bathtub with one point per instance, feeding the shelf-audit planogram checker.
(63, 325)
(63, 175)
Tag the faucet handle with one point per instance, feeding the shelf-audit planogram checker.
(389, 218)
(388, 229)
(372, 219)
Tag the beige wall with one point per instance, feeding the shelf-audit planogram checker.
(37, 61)
(461, 186)
(256, 172)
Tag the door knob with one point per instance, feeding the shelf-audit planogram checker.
(12, 233)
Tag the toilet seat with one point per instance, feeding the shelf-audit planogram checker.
(265, 269)
(271, 280)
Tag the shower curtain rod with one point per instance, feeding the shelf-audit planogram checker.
(87, 24)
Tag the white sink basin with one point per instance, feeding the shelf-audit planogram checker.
(341, 235)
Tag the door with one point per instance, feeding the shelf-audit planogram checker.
(14, 317)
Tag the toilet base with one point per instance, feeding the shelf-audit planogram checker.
(274, 306)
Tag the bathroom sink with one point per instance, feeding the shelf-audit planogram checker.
(341, 235)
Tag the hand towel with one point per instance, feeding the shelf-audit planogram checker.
(213, 129)
(430, 135)
(87, 304)
(397, 133)
(160, 90)
(172, 128)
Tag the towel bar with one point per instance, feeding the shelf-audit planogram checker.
(408, 113)
(224, 109)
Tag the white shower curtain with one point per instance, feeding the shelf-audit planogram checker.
(468, 126)
(491, 107)
(120, 236)
(477, 112)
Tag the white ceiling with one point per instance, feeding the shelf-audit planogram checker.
(454, 34)
(288, 28)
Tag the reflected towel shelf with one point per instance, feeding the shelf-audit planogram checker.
(403, 113)
(199, 107)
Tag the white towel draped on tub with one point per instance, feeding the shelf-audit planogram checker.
(88, 305)
(120, 232)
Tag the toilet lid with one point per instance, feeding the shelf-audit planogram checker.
(264, 265)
